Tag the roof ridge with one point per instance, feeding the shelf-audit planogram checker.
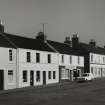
(58, 42)
(18, 36)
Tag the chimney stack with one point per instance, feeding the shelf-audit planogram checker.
(75, 40)
(41, 36)
(1, 27)
(68, 41)
(92, 43)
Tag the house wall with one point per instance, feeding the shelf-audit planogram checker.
(42, 66)
(74, 60)
(6, 65)
(97, 65)
(66, 66)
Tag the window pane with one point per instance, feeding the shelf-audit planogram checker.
(37, 57)
(49, 74)
(28, 57)
(70, 59)
(54, 74)
(10, 76)
(91, 58)
(62, 58)
(49, 58)
(91, 69)
(37, 76)
(24, 76)
(78, 60)
(10, 55)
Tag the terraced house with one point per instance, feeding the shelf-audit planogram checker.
(70, 61)
(94, 56)
(26, 62)
(37, 61)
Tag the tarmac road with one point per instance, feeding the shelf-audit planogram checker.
(87, 93)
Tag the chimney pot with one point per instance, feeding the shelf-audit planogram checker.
(1, 27)
(75, 40)
(41, 36)
(92, 42)
(68, 41)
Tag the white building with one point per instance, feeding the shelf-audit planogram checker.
(7, 68)
(26, 62)
(94, 56)
(37, 67)
(97, 64)
(70, 62)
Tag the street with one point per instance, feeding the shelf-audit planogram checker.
(87, 93)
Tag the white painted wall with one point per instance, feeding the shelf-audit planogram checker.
(20, 58)
(69, 65)
(98, 65)
(74, 60)
(42, 66)
(97, 58)
(43, 56)
(6, 65)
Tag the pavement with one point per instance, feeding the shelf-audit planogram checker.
(57, 85)
(67, 93)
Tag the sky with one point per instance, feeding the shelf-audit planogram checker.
(61, 18)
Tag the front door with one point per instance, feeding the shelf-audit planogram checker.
(31, 78)
(70, 74)
(44, 77)
(1, 79)
(101, 72)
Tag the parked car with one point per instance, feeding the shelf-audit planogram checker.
(85, 77)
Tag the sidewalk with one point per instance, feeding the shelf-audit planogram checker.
(38, 88)
(56, 85)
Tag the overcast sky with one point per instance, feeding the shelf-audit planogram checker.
(61, 18)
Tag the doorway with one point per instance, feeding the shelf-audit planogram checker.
(31, 78)
(70, 75)
(1, 79)
(44, 77)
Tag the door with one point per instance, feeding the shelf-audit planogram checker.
(78, 72)
(31, 78)
(44, 77)
(70, 75)
(101, 72)
(1, 79)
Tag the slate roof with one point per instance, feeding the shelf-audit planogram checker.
(63, 48)
(88, 48)
(29, 43)
(5, 43)
(23, 42)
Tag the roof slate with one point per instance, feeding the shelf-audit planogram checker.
(23, 42)
(63, 48)
(90, 49)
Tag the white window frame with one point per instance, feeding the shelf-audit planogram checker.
(10, 76)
